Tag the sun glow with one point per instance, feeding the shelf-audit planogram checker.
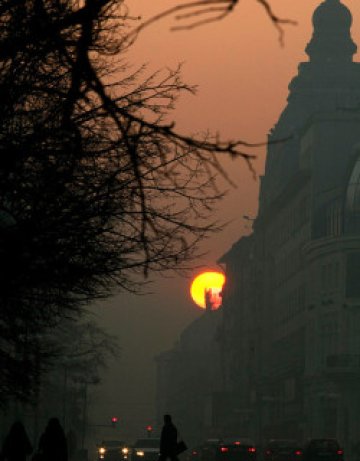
(206, 288)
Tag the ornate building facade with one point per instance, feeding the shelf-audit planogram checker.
(289, 349)
(292, 305)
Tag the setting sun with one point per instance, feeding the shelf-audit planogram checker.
(208, 282)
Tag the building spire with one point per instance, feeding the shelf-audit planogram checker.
(331, 41)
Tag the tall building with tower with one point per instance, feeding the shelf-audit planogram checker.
(289, 332)
(291, 313)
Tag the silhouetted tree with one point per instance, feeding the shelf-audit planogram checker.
(81, 351)
(96, 186)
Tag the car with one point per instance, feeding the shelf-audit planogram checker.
(236, 449)
(146, 449)
(194, 454)
(283, 450)
(113, 450)
(209, 448)
(323, 450)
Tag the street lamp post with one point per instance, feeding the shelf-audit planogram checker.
(84, 416)
(85, 383)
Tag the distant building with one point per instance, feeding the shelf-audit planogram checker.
(291, 315)
(188, 375)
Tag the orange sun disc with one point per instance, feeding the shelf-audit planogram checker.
(211, 283)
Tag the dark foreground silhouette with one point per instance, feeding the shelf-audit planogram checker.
(52, 444)
(168, 441)
(16, 445)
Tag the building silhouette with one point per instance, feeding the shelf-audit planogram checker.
(188, 375)
(291, 316)
(289, 347)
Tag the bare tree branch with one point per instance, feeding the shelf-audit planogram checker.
(202, 12)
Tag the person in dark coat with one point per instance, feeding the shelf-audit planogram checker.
(52, 444)
(168, 440)
(16, 446)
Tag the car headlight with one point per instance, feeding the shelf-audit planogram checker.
(102, 450)
(125, 450)
(140, 453)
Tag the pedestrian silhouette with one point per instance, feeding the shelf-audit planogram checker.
(16, 446)
(52, 444)
(168, 441)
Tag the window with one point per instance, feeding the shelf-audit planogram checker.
(352, 201)
(334, 218)
(353, 275)
(353, 190)
(328, 219)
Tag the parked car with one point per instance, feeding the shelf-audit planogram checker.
(323, 450)
(113, 450)
(146, 449)
(283, 450)
(236, 449)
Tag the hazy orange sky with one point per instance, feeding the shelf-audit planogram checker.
(242, 75)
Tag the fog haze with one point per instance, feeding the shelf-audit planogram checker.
(242, 73)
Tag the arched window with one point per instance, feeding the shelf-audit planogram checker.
(353, 190)
(352, 200)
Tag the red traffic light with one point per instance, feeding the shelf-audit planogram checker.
(114, 419)
(149, 428)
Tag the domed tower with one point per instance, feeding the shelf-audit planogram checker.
(328, 82)
(331, 41)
